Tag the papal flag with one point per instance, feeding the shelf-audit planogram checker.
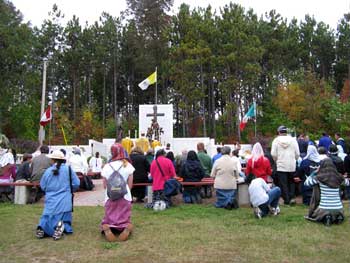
(251, 113)
(149, 81)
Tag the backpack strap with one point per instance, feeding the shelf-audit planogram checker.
(71, 184)
(115, 169)
(160, 168)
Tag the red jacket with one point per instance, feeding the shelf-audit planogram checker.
(168, 170)
(262, 168)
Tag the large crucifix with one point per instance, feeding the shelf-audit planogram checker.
(155, 129)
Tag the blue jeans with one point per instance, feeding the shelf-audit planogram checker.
(274, 196)
(224, 197)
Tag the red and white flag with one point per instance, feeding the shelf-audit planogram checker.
(46, 117)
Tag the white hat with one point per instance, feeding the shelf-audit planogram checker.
(56, 154)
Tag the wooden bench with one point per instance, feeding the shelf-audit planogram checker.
(242, 189)
(21, 191)
(21, 184)
(205, 181)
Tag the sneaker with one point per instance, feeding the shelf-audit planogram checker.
(228, 206)
(339, 219)
(328, 220)
(124, 235)
(209, 193)
(272, 210)
(292, 202)
(58, 231)
(257, 212)
(39, 233)
(277, 211)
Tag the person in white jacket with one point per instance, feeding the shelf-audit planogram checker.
(285, 152)
(78, 162)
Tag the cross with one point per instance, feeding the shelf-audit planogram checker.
(155, 114)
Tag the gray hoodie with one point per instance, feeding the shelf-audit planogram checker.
(285, 151)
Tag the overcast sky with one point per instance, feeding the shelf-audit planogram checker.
(327, 11)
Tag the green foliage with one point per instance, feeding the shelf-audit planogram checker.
(111, 128)
(23, 121)
(209, 65)
(271, 118)
(338, 116)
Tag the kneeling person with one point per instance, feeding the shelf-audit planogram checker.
(225, 172)
(59, 181)
(326, 205)
(116, 223)
(263, 198)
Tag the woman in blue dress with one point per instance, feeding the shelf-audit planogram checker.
(58, 182)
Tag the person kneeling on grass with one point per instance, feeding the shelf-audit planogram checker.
(116, 224)
(325, 205)
(263, 198)
(225, 172)
(58, 182)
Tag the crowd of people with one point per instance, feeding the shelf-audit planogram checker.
(270, 173)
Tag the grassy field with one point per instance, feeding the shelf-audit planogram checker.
(186, 233)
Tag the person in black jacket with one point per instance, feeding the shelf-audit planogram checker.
(142, 168)
(192, 171)
(338, 162)
(23, 171)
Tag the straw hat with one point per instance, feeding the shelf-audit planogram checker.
(56, 154)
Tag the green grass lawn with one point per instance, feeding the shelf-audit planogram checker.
(186, 233)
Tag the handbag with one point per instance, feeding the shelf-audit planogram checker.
(172, 186)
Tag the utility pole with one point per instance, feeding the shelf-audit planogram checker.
(41, 130)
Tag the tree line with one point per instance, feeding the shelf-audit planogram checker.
(211, 65)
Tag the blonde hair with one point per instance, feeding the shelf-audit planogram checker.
(137, 149)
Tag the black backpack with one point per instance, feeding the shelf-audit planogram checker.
(116, 185)
(87, 183)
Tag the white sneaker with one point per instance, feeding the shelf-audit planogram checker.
(275, 210)
(278, 210)
(257, 212)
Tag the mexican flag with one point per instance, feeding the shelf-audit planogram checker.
(250, 114)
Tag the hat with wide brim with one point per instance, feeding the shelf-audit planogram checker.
(57, 155)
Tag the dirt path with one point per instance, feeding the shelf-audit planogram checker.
(91, 198)
(97, 195)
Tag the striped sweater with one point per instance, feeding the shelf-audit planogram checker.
(330, 197)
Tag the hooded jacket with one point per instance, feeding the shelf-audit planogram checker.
(192, 171)
(285, 151)
(261, 168)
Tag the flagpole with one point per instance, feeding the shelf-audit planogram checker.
(255, 117)
(41, 130)
(50, 133)
(156, 86)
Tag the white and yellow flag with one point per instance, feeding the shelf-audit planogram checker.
(149, 81)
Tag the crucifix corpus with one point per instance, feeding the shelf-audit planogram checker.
(155, 130)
